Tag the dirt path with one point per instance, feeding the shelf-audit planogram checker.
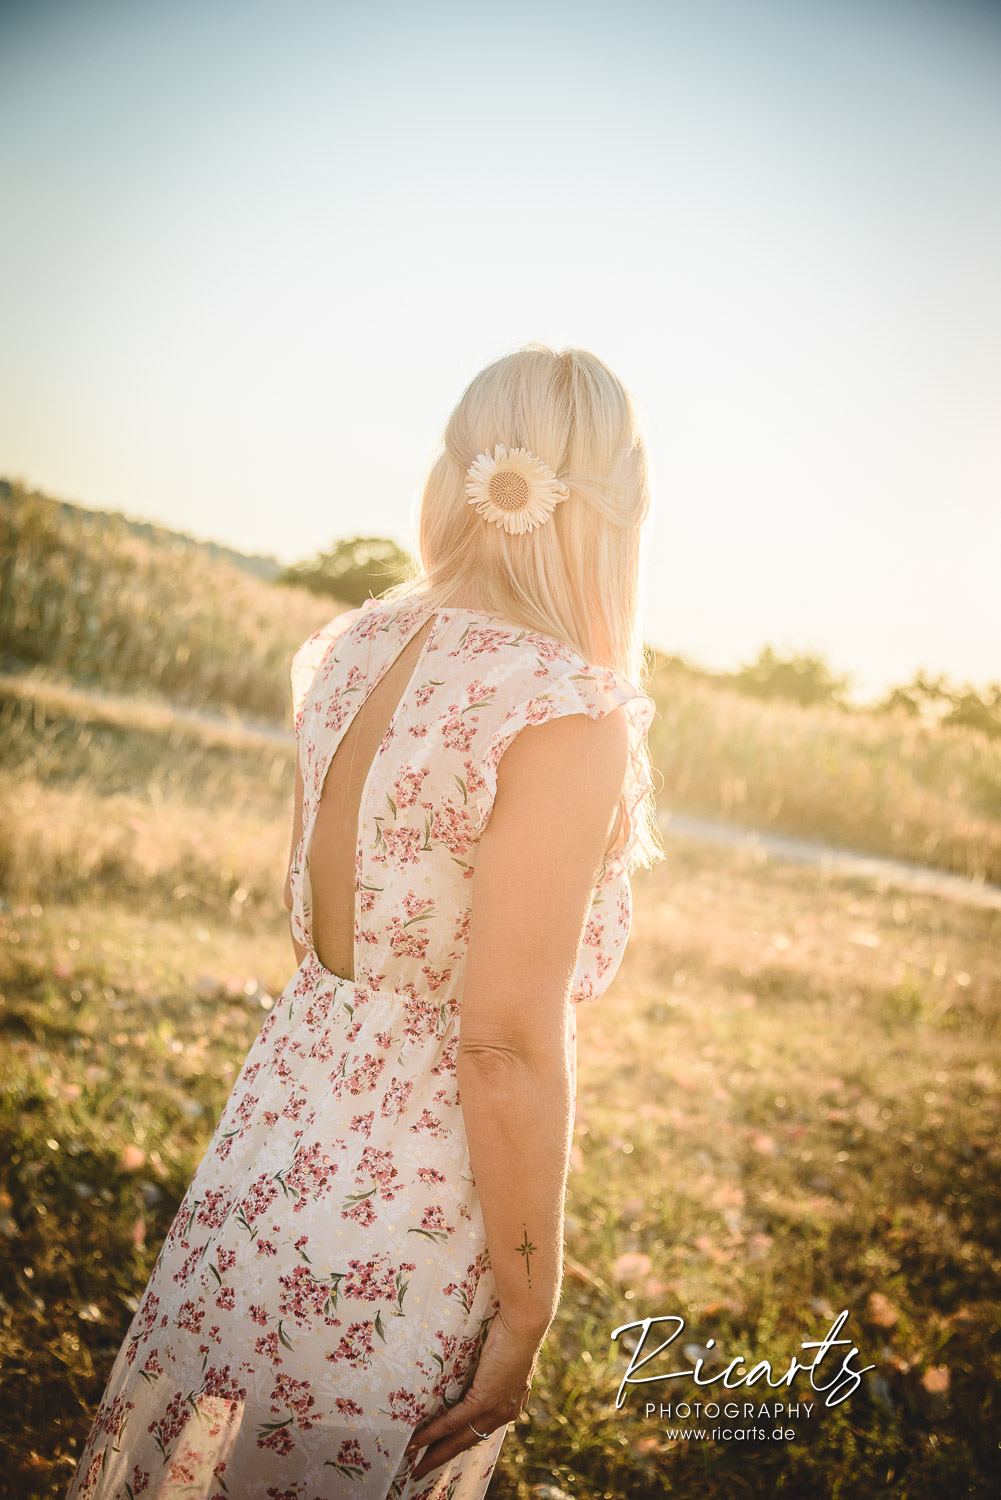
(890, 872)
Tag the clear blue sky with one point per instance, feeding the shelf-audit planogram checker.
(253, 252)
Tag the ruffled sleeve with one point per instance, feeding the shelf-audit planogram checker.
(307, 660)
(595, 693)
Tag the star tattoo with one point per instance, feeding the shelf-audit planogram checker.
(527, 1249)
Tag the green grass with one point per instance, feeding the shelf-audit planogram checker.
(788, 1105)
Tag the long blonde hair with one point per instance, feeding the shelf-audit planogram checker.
(576, 578)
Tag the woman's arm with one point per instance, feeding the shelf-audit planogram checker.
(300, 951)
(536, 867)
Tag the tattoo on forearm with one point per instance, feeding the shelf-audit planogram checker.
(527, 1249)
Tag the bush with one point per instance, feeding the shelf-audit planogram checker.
(352, 571)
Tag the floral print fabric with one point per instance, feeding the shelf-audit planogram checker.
(430, 791)
(326, 1282)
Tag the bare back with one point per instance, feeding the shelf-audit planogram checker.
(333, 849)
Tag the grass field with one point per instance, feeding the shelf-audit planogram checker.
(788, 1103)
(86, 602)
(82, 593)
(888, 785)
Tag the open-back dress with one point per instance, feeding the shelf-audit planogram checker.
(326, 1284)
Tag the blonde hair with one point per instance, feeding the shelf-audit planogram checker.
(576, 578)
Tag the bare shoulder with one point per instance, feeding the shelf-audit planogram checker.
(559, 786)
(574, 752)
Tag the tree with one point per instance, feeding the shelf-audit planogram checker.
(805, 679)
(934, 698)
(353, 570)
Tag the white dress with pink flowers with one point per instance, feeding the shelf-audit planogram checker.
(326, 1283)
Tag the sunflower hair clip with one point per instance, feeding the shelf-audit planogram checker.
(513, 489)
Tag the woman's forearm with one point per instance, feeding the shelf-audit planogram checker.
(518, 1114)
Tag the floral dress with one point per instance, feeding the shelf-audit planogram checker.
(326, 1284)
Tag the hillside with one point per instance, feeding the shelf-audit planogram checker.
(86, 598)
(95, 597)
(258, 564)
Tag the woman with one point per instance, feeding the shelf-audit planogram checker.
(354, 1291)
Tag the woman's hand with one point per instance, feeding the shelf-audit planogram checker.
(499, 1391)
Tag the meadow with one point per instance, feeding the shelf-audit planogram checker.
(788, 1102)
(87, 604)
(85, 595)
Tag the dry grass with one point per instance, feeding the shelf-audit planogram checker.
(886, 784)
(138, 800)
(136, 793)
(83, 594)
(788, 1105)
